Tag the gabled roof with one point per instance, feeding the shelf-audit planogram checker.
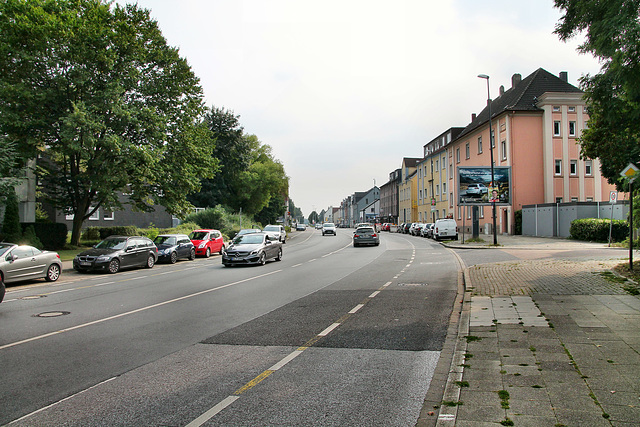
(410, 162)
(522, 97)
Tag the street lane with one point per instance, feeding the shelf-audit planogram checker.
(253, 318)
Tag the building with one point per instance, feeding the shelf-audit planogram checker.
(407, 191)
(389, 198)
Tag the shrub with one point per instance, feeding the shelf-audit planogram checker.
(122, 230)
(208, 218)
(52, 235)
(518, 221)
(11, 230)
(91, 233)
(29, 238)
(597, 229)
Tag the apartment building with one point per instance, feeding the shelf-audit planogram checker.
(407, 191)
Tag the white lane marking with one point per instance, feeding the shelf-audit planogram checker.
(103, 284)
(328, 330)
(286, 360)
(212, 412)
(297, 265)
(373, 295)
(386, 284)
(60, 291)
(311, 260)
(138, 310)
(356, 308)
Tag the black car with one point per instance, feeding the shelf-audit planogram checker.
(116, 252)
(254, 248)
(172, 247)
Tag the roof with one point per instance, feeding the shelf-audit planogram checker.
(522, 96)
(411, 162)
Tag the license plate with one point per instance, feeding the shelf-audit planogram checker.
(85, 263)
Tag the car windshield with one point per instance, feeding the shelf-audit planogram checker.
(198, 235)
(4, 248)
(272, 228)
(365, 230)
(165, 240)
(329, 224)
(249, 239)
(112, 244)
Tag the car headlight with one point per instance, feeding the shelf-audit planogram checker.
(103, 258)
(255, 252)
(202, 245)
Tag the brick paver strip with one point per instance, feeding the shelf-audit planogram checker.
(556, 277)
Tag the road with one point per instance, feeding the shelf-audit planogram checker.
(330, 335)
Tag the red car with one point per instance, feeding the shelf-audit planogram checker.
(207, 242)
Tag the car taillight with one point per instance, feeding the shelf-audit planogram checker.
(374, 235)
(58, 255)
(356, 235)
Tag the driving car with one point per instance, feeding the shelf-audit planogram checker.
(318, 226)
(328, 228)
(23, 262)
(172, 247)
(253, 248)
(276, 232)
(247, 231)
(300, 227)
(207, 241)
(365, 236)
(117, 252)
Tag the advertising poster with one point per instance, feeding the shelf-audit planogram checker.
(475, 186)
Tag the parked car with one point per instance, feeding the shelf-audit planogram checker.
(23, 262)
(445, 229)
(207, 242)
(172, 247)
(276, 232)
(415, 228)
(426, 230)
(117, 252)
(400, 228)
(406, 227)
(253, 248)
(365, 236)
(328, 228)
(300, 227)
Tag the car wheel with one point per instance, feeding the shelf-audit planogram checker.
(53, 273)
(192, 254)
(207, 253)
(151, 261)
(114, 266)
(279, 257)
(263, 259)
(173, 258)
(221, 250)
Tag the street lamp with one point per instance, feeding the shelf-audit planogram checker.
(493, 183)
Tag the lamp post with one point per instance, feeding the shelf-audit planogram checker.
(493, 184)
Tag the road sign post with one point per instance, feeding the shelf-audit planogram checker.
(613, 197)
(630, 172)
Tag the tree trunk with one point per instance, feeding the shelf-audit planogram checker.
(76, 230)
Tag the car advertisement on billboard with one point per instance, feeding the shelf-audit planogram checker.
(475, 186)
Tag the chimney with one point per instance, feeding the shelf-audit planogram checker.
(501, 90)
(564, 76)
(473, 117)
(515, 79)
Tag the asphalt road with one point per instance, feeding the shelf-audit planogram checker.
(330, 335)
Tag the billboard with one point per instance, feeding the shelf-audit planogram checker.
(475, 186)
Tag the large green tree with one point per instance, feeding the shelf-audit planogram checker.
(612, 34)
(93, 89)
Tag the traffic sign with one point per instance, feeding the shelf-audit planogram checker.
(613, 197)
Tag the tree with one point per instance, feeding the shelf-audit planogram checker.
(11, 228)
(94, 90)
(313, 217)
(274, 210)
(612, 30)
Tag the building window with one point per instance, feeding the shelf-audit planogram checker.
(481, 209)
(556, 109)
(450, 169)
(588, 166)
(558, 170)
(438, 189)
(503, 149)
(479, 145)
(572, 109)
(467, 152)
(69, 217)
(572, 128)
(108, 216)
(444, 188)
(573, 167)
(458, 155)
(556, 128)
(437, 168)
(589, 199)
(469, 209)
(95, 216)
(558, 199)
(451, 200)
(444, 162)
(459, 212)
(574, 199)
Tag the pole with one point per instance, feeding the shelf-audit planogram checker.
(630, 225)
(493, 183)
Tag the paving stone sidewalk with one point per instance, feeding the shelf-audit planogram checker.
(548, 343)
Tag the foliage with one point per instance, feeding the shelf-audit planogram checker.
(9, 172)
(29, 238)
(612, 34)
(94, 87)
(11, 229)
(208, 218)
(274, 210)
(313, 217)
(121, 230)
(518, 222)
(52, 235)
(597, 230)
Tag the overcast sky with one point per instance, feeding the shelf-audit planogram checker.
(343, 90)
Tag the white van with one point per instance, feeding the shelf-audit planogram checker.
(445, 229)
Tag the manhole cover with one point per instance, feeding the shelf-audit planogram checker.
(34, 297)
(53, 314)
(412, 284)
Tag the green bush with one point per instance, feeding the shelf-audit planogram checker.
(597, 230)
(518, 222)
(52, 235)
(122, 230)
(91, 233)
(29, 238)
(208, 218)
(11, 230)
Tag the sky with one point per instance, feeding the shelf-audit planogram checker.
(342, 90)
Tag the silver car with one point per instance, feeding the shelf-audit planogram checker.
(365, 236)
(253, 248)
(23, 262)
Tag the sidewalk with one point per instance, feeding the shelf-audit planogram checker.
(543, 343)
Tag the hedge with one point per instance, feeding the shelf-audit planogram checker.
(52, 235)
(597, 230)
